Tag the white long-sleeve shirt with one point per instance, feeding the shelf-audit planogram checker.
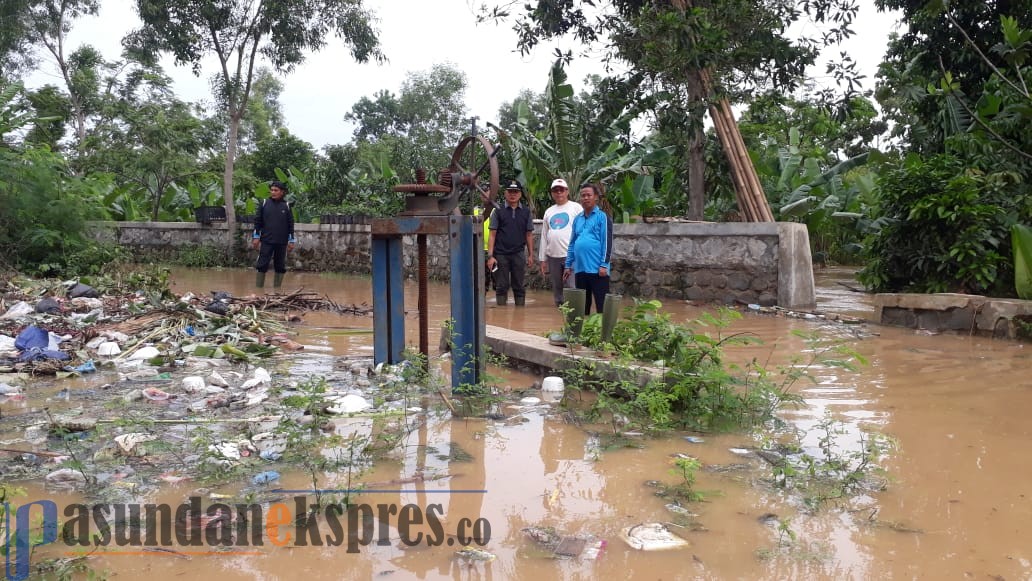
(556, 228)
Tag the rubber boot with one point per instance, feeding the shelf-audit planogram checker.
(259, 279)
(575, 298)
(501, 300)
(610, 313)
(520, 301)
(277, 279)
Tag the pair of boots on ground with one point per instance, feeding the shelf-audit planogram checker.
(501, 300)
(277, 279)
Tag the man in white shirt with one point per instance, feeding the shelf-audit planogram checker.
(555, 236)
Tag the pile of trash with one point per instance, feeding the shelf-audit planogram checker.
(157, 375)
(78, 330)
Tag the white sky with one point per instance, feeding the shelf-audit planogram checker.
(414, 37)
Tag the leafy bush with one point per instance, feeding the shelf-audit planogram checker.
(946, 229)
(197, 256)
(698, 390)
(43, 227)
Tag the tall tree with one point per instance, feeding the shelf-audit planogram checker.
(264, 111)
(684, 54)
(934, 41)
(240, 32)
(147, 137)
(420, 126)
(15, 53)
(50, 21)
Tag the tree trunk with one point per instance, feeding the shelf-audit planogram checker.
(696, 146)
(227, 180)
(697, 175)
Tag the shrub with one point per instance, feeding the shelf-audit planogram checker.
(946, 229)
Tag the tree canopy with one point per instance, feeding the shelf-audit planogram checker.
(240, 34)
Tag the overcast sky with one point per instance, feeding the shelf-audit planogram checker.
(414, 37)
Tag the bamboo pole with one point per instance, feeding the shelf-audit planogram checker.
(741, 190)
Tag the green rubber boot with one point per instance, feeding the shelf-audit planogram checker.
(259, 279)
(277, 279)
(610, 313)
(575, 298)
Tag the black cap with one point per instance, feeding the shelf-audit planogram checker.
(514, 185)
(278, 184)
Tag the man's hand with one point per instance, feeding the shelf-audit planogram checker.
(256, 243)
(603, 272)
(290, 246)
(566, 273)
(530, 262)
(544, 267)
(491, 262)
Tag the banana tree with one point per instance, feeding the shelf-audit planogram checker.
(560, 150)
(832, 201)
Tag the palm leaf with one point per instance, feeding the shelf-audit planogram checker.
(1021, 240)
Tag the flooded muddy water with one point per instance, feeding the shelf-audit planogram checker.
(957, 504)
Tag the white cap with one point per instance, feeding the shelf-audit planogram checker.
(560, 182)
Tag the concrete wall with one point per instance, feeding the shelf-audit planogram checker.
(959, 313)
(766, 263)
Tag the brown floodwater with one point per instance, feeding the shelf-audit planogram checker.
(957, 505)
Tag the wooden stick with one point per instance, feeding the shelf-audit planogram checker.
(41, 453)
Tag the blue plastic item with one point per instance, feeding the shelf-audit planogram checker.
(87, 367)
(33, 342)
(267, 477)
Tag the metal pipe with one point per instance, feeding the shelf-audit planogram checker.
(424, 303)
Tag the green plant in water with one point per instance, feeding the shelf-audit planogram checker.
(837, 471)
(686, 468)
(696, 389)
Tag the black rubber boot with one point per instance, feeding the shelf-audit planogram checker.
(501, 300)
(520, 301)
(277, 279)
(259, 279)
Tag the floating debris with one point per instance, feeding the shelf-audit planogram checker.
(470, 554)
(652, 537)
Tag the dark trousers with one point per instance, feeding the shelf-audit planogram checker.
(277, 253)
(596, 286)
(512, 273)
(555, 276)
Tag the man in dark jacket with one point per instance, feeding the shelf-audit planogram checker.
(274, 233)
(511, 236)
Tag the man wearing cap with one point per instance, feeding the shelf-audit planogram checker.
(510, 246)
(555, 236)
(590, 253)
(274, 233)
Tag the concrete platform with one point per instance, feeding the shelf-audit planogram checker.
(536, 351)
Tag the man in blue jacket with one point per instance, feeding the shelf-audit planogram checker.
(591, 249)
(274, 233)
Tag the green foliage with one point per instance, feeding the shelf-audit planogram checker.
(835, 472)
(43, 227)
(697, 389)
(934, 42)
(282, 151)
(686, 469)
(238, 33)
(945, 230)
(570, 146)
(1021, 242)
(197, 256)
(419, 127)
